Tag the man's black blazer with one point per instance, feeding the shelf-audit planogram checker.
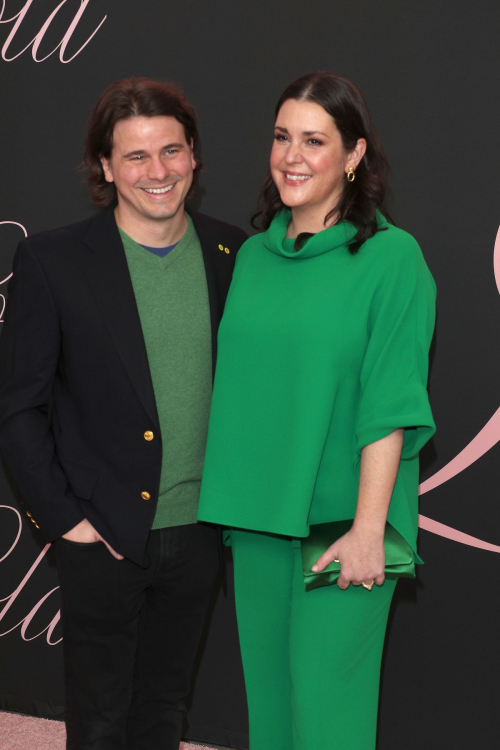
(72, 338)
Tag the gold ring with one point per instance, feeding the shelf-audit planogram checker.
(368, 586)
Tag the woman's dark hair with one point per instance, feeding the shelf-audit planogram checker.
(132, 97)
(360, 199)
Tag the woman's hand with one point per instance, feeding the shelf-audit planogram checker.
(361, 551)
(361, 556)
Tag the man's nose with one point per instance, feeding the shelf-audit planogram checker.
(157, 169)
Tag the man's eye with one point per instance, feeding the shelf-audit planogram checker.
(171, 151)
(137, 158)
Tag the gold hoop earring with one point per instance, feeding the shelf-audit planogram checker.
(351, 175)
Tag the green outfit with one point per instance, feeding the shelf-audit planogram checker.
(172, 299)
(311, 660)
(320, 353)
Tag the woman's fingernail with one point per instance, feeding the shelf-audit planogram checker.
(314, 568)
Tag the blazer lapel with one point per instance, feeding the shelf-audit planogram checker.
(107, 272)
(208, 241)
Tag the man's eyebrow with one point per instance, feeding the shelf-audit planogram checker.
(305, 132)
(140, 151)
(175, 145)
(133, 153)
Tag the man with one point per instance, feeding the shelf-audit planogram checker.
(114, 321)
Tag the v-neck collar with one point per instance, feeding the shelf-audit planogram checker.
(149, 257)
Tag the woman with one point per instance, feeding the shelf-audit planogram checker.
(319, 411)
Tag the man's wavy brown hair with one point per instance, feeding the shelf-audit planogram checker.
(133, 97)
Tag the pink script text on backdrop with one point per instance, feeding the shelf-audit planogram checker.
(19, 17)
(4, 281)
(481, 444)
(9, 600)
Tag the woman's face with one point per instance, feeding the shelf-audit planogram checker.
(308, 161)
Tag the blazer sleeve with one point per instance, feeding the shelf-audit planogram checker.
(395, 367)
(29, 355)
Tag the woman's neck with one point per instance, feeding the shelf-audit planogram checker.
(311, 221)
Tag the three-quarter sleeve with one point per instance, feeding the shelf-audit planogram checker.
(395, 366)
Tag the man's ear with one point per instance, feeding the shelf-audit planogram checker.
(106, 166)
(193, 160)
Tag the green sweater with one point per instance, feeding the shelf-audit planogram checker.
(320, 353)
(172, 299)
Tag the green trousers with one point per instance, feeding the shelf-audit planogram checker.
(311, 660)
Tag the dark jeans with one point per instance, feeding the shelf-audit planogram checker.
(131, 635)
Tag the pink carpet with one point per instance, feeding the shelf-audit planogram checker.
(26, 733)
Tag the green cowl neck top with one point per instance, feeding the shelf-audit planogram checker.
(320, 353)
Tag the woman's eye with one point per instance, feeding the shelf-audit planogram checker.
(315, 142)
(280, 137)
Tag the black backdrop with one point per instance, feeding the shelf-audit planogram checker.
(431, 73)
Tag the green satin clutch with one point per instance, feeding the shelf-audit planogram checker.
(399, 557)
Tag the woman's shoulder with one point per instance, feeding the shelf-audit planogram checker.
(392, 250)
(251, 246)
(393, 258)
(256, 240)
(392, 245)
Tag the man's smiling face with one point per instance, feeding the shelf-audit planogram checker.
(151, 165)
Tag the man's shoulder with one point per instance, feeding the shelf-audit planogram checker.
(73, 231)
(220, 231)
(69, 235)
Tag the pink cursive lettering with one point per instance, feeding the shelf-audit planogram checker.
(35, 43)
(4, 281)
(481, 444)
(9, 600)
